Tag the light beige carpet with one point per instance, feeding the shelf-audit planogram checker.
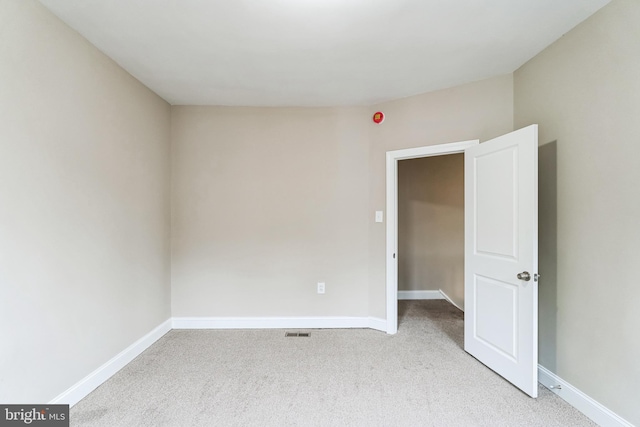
(358, 377)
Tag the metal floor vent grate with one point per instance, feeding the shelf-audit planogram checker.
(296, 334)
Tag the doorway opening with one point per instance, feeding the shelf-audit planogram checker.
(431, 229)
(393, 157)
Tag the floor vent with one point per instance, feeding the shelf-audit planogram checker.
(296, 334)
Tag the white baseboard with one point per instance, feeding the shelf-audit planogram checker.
(576, 398)
(445, 296)
(278, 323)
(378, 324)
(92, 381)
(406, 295)
(583, 403)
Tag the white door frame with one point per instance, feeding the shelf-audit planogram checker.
(392, 215)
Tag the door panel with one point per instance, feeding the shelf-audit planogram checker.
(501, 238)
(497, 217)
(496, 313)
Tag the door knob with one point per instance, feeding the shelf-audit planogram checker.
(524, 276)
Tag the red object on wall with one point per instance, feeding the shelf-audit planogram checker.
(378, 117)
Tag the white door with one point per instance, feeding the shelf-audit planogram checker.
(501, 256)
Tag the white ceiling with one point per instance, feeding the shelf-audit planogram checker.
(317, 52)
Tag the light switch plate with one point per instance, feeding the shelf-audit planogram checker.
(379, 216)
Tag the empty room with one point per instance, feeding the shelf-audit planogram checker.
(319, 213)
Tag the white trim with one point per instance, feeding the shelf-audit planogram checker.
(406, 295)
(392, 215)
(392, 244)
(92, 381)
(583, 403)
(445, 296)
(95, 379)
(378, 324)
(277, 323)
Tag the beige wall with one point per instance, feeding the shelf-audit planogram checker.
(431, 225)
(84, 206)
(480, 110)
(269, 201)
(266, 203)
(584, 91)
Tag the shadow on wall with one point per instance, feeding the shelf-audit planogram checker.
(548, 254)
